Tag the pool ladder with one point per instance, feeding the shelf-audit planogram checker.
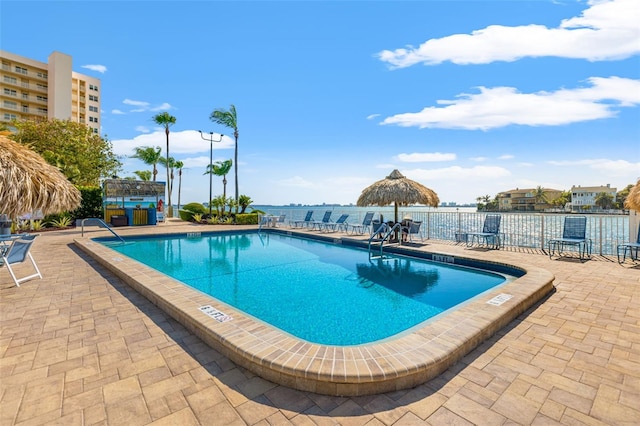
(389, 231)
(100, 222)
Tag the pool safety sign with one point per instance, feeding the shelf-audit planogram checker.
(499, 299)
(215, 314)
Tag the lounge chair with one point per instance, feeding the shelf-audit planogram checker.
(574, 233)
(490, 234)
(318, 224)
(632, 248)
(18, 252)
(412, 229)
(364, 226)
(337, 225)
(306, 222)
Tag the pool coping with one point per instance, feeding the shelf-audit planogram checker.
(393, 364)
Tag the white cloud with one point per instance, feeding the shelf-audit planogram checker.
(99, 68)
(478, 159)
(116, 111)
(372, 116)
(505, 157)
(135, 103)
(607, 30)
(610, 167)
(143, 129)
(143, 106)
(418, 157)
(184, 142)
(504, 106)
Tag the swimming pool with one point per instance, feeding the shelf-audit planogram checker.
(321, 292)
(404, 361)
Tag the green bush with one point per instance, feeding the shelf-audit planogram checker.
(195, 208)
(247, 219)
(91, 204)
(185, 215)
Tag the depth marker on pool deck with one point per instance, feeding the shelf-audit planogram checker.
(215, 314)
(499, 299)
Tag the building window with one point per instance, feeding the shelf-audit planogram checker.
(93, 98)
(93, 87)
(10, 117)
(10, 92)
(11, 80)
(10, 105)
(41, 98)
(42, 75)
(25, 96)
(42, 110)
(21, 70)
(42, 86)
(93, 108)
(93, 119)
(25, 108)
(95, 130)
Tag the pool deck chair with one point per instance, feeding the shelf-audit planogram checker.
(490, 235)
(18, 252)
(411, 230)
(362, 228)
(306, 222)
(632, 248)
(280, 220)
(574, 233)
(318, 224)
(340, 224)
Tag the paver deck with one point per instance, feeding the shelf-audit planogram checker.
(81, 347)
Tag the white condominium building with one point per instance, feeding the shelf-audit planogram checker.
(31, 89)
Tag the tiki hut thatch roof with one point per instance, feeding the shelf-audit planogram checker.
(633, 200)
(28, 183)
(116, 188)
(399, 190)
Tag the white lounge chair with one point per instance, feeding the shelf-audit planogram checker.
(18, 252)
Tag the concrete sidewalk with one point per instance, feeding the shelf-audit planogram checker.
(80, 347)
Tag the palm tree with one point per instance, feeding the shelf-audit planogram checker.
(229, 119)
(221, 168)
(149, 155)
(143, 174)
(604, 200)
(179, 165)
(244, 202)
(540, 196)
(166, 120)
(171, 167)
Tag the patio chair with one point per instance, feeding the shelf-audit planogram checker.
(412, 229)
(304, 222)
(574, 233)
(490, 234)
(361, 228)
(337, 225)
(318, 224)
(280, 220)
(18, 252)
(632, 248)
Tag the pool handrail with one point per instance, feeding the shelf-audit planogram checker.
(101, 222)
(389, 231)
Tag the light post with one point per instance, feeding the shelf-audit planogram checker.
(211, 140)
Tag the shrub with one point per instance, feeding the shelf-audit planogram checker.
(195, 208)
(247, 219)
(91, 204)
(185, 215)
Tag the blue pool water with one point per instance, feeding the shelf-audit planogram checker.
(320, 292)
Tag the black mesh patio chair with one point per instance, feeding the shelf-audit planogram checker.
(490, 235)
(574, 234)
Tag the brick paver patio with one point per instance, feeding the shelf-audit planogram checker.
(80, 347)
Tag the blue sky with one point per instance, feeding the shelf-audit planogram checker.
(469, 98)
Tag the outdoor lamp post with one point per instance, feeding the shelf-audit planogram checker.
(211, 141)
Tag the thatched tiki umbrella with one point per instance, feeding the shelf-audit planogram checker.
(399, 190)
(28, 183)
(633, 200)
